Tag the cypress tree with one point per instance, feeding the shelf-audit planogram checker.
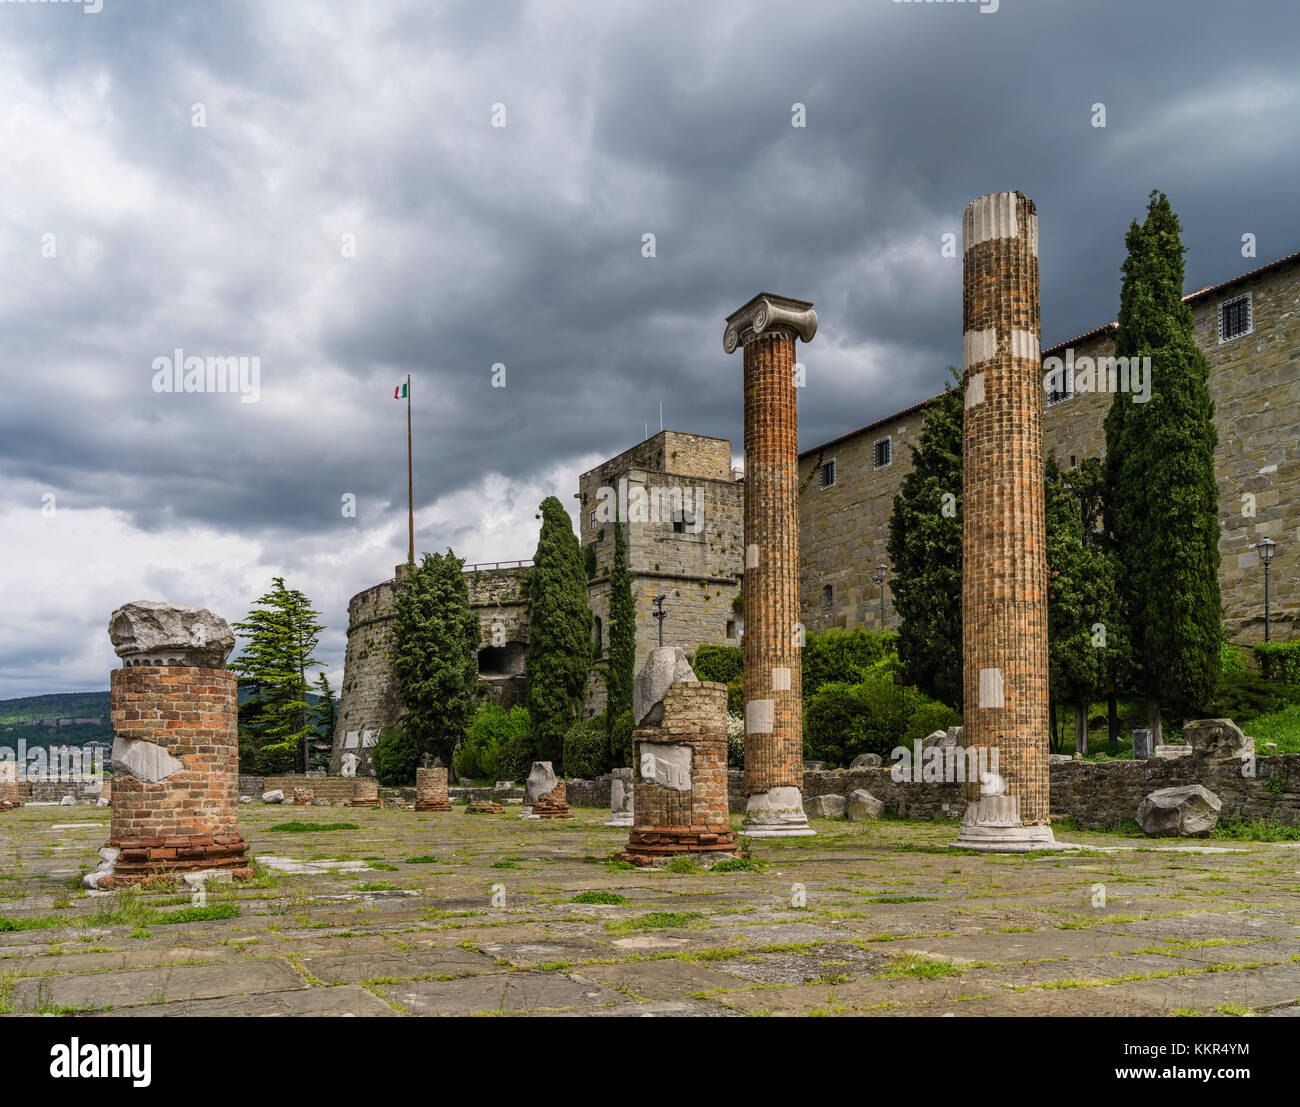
(559, 632)
(925, 550)
(1161, 493)
(622, 634)
(435, 655)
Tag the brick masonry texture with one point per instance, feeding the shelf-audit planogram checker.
(773, 759)
(1004, 564)
(668, 820)
(327, 789)
(190, 819)
(431, 790)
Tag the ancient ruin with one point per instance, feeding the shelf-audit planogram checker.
(767, 327)
(545, 796)
(175, 747)
(8, 785)
(366, 793)
(431, 790)
(680, 752)
(1004, 563)
(620, 798)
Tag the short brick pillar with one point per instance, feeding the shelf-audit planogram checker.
(680, 797)
(766, 328)
(365, 793)
(1004, 563)
(173, 709)
(9, 785)
(304, 797)
(431, 790)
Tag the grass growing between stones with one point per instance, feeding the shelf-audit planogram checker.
(598, 897)
(299, 827)
(1237, 829)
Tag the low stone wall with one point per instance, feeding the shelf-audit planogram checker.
(1099, 794)
(1104, 793)
(327, 789)
(52, 791)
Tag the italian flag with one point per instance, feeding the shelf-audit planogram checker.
(399, 393)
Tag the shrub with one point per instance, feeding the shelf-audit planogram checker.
(1231, 658)
(516, 756)
(735, 740)
(1243, 696)
(847, 656)
(1279, 660)
(489, 729)
(395, 757)
(620, 740)
(843, 720)
(721, 663)
(586, 749)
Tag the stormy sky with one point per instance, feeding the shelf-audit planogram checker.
(346, 212)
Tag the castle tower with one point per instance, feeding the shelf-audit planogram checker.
(767, 327)
(1004, 564)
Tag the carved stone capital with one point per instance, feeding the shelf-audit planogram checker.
(765, 314)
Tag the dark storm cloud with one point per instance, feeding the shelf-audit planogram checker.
(522, 245)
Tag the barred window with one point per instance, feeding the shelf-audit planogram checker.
(826, 474)
(1236, 318)
(883, 452)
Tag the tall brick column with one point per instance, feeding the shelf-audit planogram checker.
(767, 327)
(175, 747)
(1004, 565)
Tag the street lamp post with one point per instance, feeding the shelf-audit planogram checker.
(660, 615)
(1266, 547)
(879, 579)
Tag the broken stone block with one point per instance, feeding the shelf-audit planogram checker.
(304, 797)
(67, 801)
(665, 666)
(863, 806)
(620, 798)
(866, 761)
(276, 795)
(1220, 739)
(147, 632)
(143, 759)
(825, 807)
(541, 781)
(1190, 811)
(102, 802)
(245, 799)
(1172, 753)
(942, 739)
(814, 766)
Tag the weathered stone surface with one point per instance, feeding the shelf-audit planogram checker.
(665, 665)
(814, 766)
(1191, 811)
(273, 796)
(541, 782)
(1169, 753)
(1218, 738)
(1141, 744)
(67, 801)
(942, 739)
(143, 759)
(825, 807)
(866, 761)
(149, 632)
(862, 806)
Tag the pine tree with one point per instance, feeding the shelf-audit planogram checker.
(282, 634)
(1161, 493)
(435, 654)
(559, 632)
(925, 550)
(325, 711)
(622, 633)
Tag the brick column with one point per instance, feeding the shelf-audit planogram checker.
(175, 796)
(9, 785)
(680, 797)
(431, 790)
(767, 327)
(1004, 566)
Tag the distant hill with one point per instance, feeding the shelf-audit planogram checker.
(16, 717)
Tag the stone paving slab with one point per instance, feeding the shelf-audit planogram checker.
(503, 993)
(346, 1000)
(667, 979)
(156, 985)
(353, 968)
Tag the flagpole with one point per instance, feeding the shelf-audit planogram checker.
(410, 481)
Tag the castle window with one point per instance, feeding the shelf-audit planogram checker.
(1236, 318)
(592, 521)
(826, 474)
(883, 452)
(731, 628)
(828, 593)
(599, 636)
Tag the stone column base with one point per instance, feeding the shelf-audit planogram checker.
(132, 860)
(623, 820)
(433, 805)
(776, 813)
(993, 825)
(648, 844)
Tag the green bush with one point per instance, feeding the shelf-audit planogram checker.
(586, 749)
(620, 741)
(721, 663)
(1243, 696)
(1232, 659)
(841, 720)
(489, 729)
(395, 757)
(516, 756)
(1279, 661)
(844, 656)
